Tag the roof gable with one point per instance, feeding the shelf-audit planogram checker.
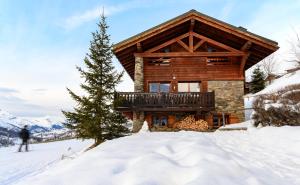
(234, 37)
(188, 16)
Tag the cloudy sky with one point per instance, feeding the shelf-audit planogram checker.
(42, 41)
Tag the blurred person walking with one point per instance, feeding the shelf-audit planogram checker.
(24, 135)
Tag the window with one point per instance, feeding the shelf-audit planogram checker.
(159, 87)
(188, 87)
(154, 87)
(217, 60)
(159, 62)
(159, 121)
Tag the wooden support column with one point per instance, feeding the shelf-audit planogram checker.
(243, 63)
(191, 44)
(244, 48)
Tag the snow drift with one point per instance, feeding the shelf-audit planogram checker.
(260, 156)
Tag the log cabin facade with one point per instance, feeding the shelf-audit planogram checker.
(192, 64)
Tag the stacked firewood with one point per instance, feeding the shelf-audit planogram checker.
(190, 123)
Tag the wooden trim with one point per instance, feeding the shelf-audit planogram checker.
(192, 25)
(214, 42)
(139, 47)
(191, 42)
(167, 43)
(243, 63)
(198, 44)
(240, 34)
(188, 54)
(147, 34)
(183, 45)
(194, 15)
(246, 46)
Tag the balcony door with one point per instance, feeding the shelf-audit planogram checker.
(188, 86)
(158, 87)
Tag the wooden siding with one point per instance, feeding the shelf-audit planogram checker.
(190, 69)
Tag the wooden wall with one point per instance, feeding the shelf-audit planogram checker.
(191, 69)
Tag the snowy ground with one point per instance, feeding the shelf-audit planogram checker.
(268, 156)
(15, 166)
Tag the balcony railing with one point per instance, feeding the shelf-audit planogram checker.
(195, 101)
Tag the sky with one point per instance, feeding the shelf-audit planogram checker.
(42, 42)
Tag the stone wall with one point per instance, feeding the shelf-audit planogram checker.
(138, 116)
(229, 97)
(139, 75)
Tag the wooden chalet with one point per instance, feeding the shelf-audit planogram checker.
(191, 64)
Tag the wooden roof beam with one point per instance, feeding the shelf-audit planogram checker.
(188, 54)
(214, 42)
(227, 29)
(167, 43)
(183, 45)
(243, 62)
(198, 44)
(192, 25)
(246, 46)
(139, 47)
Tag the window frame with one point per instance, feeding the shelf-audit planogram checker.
(156, 120)
(159, 86)
(189, 87)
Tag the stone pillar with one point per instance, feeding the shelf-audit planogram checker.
(229, 98)
(139, 75)
(138, 116)
(138, 120)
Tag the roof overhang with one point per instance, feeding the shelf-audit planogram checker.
(235, 37)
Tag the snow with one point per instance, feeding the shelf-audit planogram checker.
(243, 125)
(15, 165)
(144, 128)
(278, 84)
(267, 156)
(288, 79)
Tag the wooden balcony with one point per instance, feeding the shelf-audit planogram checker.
(196, 101)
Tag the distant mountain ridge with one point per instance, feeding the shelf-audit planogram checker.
(41, 128)
(35, 125)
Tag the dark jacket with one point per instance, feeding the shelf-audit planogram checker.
(24, 134)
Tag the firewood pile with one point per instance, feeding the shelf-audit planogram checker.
(190, 123)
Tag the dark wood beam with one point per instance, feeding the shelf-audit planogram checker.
(192, 25)
(243, 62)
(198, 44)
(183, 45)
(139, 47)
(238, 33)
(246, 46)
(188, 54)
(214, 42)
(167, 43)
(191, 43)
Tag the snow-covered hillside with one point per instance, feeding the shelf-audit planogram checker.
(14, 166)
(265, 156)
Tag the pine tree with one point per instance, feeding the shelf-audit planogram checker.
(257, 83)
(93, 116)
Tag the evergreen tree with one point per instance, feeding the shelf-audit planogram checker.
(93, 116)
(257, 83)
